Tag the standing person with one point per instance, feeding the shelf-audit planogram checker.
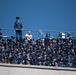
(18, 28)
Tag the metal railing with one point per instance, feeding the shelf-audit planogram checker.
(7, 32)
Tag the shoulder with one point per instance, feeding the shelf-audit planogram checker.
(15, 22)
(26, 35)
(20, 22)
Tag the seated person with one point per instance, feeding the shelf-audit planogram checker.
(69, 36)
(0, 33)
(29, 36)
(61, 35)
(41, 35)
(47, 39)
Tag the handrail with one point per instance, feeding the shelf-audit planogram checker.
(37, 30)
(73, 33)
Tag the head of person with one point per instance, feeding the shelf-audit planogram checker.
(29, 32)
(40, 31)
(17, 18)
(47, 34)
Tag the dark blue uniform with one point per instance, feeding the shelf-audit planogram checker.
(18, 27)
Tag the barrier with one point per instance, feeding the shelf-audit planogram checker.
(53, 33)
(11, 69)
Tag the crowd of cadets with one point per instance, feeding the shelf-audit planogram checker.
(48, 51)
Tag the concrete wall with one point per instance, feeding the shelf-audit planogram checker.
(8, 69)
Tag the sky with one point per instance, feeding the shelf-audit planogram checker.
(48, 15)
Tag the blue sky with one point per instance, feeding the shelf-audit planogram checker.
(53, 15)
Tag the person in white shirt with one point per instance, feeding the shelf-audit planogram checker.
(61, 35)
(29, 36)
